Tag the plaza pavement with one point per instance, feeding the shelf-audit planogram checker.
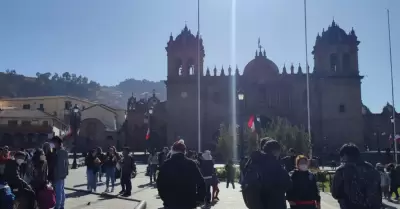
(141, 190)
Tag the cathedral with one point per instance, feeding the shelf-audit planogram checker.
(269, 91)
(337, 113)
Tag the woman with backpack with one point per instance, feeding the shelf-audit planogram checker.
(304, 193)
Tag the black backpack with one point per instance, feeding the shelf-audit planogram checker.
(252, 186)
(362, 185)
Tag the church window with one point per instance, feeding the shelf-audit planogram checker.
(342, 108)
(180, 70)
(346, 61)
(191, 70)
(333, 62)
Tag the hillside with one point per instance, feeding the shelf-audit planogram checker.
(47, 84)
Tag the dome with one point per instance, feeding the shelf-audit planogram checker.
(260, 68)
(335, 35)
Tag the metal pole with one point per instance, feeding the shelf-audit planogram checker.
(308, 80)
(198, 80)
(74, 125)
(241, 130)
(391, 78)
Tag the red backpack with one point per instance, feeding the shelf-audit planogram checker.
(46, 198)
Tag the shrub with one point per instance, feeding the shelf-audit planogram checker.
(221, 173)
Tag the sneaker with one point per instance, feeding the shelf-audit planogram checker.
(106, 191)
(122, 192)
(112, 189)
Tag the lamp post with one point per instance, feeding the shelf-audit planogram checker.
(393, 123)
(75, 121)
(240, 97)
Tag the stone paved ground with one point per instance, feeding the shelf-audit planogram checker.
(230, 198)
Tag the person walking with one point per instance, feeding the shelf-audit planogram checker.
(265, 181)
(153, 165)
(128, 167)
(356, 184)
(61, 166)
(100, 155)
(304, 193)
(109, 165)
(92, 168)
(393, 181)
(180, 183)
(230, 174)
(50, 159)
(207, 169)
(385, 180)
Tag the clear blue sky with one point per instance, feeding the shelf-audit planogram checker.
(109, 41)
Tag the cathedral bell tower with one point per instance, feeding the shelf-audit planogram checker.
(336, 52)
(183, 54)
(337, 83)
(184, 65)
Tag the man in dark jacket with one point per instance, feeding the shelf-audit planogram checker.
(18, 185)
(356, 184)
(128, 167)
(273, 182)
(180, 183)
(61, 170)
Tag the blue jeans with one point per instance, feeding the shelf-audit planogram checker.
(60, 193)
(110, 175)
(91, 180)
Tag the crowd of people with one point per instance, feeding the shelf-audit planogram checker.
(34, 180)
(186, 179)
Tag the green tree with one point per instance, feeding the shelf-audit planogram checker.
(226, 145)
(289, 136)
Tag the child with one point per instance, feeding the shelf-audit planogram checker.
(230, 174)
(215, 186)
(385, 180)
(304, 192)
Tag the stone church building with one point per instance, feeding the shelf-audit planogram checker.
(269, 91)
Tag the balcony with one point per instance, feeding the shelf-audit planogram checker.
(26, 129)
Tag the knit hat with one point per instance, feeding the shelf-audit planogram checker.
(179, 146)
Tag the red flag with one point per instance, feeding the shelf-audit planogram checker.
(148, 134)
(396, 137)
(251, 124)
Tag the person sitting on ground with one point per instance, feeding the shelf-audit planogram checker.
(304, 193)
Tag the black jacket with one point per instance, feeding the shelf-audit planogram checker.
(275, 180)
(180, 183)
(344, 186)
(304, 187)
(12, 177)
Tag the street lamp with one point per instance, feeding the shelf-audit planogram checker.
(240, 97)
(75, 124)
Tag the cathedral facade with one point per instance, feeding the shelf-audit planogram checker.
(335, 91)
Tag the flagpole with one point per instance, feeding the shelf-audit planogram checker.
(391, 78)
(308, 80)
(198, 80)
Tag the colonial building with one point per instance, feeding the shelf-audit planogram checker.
(335, 91)
(28, 128)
